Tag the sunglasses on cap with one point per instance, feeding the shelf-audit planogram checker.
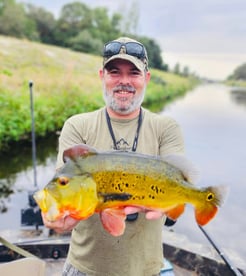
(131, 48)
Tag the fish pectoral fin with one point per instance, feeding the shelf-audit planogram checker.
(175, 212)
(113, 220)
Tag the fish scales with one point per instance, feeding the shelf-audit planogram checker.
(146, 179)
(106, 182)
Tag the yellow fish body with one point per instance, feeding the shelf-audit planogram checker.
(92, 182)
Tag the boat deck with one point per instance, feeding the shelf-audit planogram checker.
(184, 256)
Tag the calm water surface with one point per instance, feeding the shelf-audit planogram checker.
(213, 121)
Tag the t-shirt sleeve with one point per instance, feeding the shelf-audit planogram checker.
(172, 141)
(70, 136)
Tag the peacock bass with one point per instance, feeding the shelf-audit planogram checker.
(106, 182)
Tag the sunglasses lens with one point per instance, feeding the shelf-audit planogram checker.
(131, 48)
(111, 49)
(135, 49)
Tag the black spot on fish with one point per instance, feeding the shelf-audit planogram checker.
(119, 187)
(116, 196)
(155, 189)
(210, 197)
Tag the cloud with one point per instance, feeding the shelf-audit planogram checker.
(203, 42)
(185, 27)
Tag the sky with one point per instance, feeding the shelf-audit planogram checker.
(207, 36)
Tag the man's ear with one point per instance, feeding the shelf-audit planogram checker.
(148, 76)
(101, 73)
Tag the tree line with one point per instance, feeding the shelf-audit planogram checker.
(239, 73)
(78, 27)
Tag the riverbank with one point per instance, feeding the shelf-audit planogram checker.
(64, 83)
(237, 84)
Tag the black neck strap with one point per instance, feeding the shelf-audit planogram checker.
(135, 142)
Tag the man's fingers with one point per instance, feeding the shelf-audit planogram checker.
(131, 210)
(61, 225)
(153, 215)
(149, 213)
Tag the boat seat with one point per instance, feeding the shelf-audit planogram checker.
(23, 267)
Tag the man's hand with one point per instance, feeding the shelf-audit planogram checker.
(67, 223)
(62, 225)
(149, 214)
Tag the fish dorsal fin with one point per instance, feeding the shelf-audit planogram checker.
(78, 151)
(188, 169)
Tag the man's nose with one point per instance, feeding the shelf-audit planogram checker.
(125, 79)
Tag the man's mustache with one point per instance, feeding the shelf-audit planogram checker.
(126, 88)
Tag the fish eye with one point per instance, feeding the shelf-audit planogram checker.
(63, 180)
(210, 196)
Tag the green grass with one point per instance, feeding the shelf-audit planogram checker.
(65, 83)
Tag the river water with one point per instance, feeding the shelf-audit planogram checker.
(213, 121)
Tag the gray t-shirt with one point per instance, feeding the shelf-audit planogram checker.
(138, 252)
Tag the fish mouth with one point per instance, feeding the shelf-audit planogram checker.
(48, 205)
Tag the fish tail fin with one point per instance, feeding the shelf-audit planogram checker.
(113, 220)
(175, 212)
(215, 197)
(204, 216)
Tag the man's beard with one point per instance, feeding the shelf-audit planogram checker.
(134, 103)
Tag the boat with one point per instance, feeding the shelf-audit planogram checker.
(48, 253)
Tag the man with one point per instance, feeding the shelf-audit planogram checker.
(121, 124)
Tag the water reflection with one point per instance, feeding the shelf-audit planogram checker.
(5, 191)
(19, 159)
(238, 96)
